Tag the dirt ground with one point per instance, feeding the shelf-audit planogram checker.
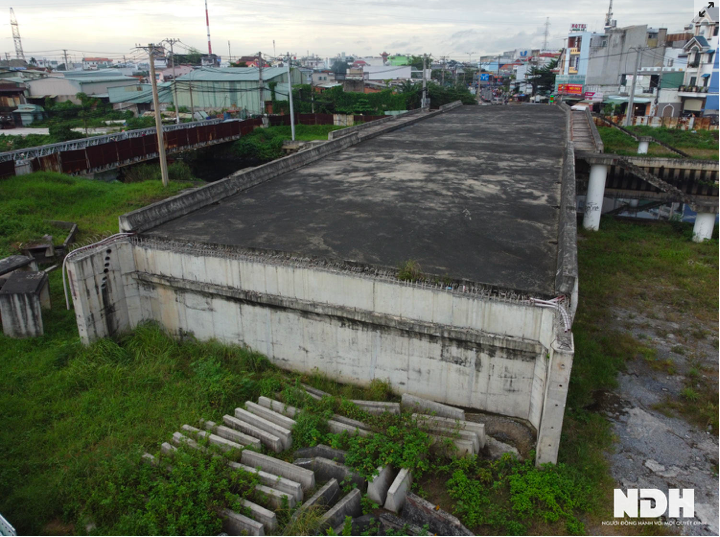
(660, 442)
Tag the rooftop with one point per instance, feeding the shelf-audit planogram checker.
(232, 74)
(472, 193)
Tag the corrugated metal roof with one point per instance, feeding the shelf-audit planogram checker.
(232, 74)
(94, 80)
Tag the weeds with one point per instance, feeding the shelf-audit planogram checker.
(410, 271)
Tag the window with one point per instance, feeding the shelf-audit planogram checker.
(715, 31)
(693, 80)
(623, 80)
(710, 56)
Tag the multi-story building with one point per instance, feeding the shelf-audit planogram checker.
(574, 60)
(699, 92)
(93, 64)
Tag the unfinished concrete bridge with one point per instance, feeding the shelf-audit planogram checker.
(299, 260)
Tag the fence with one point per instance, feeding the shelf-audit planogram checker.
(682, 123)
(102, 153)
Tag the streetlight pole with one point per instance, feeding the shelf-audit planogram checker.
(158, 118)
(292, 112)
(631, 100)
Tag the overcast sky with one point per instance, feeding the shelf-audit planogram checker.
(452, 28)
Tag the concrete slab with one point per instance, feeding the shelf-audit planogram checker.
(425, 406)
(336, 427)
(277, 406)
(351, 422)
(232, 435)
(466, 437)
(270, 415)
(378, 407)
(266, 517)
(282, 484)
(237, 524)
(268, 440)
(314, 392)
(477, 428)
(326, 469)
(452, 445)
(223, 443)
(275, 498)
(285, 435)
(321, 450)
(470, 193)
(326, 495)
(421, 512)
(378, 487)
(398, 490)
(349, 505)
(167, 448)
(275, 466)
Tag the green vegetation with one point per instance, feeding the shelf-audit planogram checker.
(28, 201)
(91, 112)
(701, 144)
(410, 271)
(177, 172)
(266, 144)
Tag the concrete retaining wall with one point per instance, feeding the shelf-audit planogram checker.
(334, 135)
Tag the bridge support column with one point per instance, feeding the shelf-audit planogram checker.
(644, 145)
(704, 225)
(595, 194)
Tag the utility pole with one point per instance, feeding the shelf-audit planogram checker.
(171, 42)
(443, 72)
(292, 113)
(424, 90)
(192, 104)
(158, 118)
(229, 54)
(260, 83)
(547, 30)
(66, 59)
(631, 100)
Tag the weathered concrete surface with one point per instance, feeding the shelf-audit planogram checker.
(421, 512)
(282, 433)
(237, 524)
(398, 490)
(266, 517)
(326, 469)
(422, 193)
(321, 450)
(277, 406)
(454, 425)
(275, 466)
(378, 407)
(282, 484)
(418, 404)
(379, 485)
(270, 415)
(22, 298)
(267, 439)
(277, 499)
(232, 435)
(349, 505)
(326, 495)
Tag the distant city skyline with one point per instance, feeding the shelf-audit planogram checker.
(322, 27)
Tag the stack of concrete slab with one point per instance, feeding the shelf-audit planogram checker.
(468, 437)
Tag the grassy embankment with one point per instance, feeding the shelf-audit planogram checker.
(75, 419)
(701, 144)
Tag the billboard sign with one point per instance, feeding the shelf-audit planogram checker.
(578, 27)
(570, 89)
(593, 96)
(484, 77)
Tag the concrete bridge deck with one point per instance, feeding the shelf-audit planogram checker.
(472, 194)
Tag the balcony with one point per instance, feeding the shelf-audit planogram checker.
(574, 51)
(692, 91)
(572, 71)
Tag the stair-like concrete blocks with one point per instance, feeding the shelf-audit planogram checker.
(285, 435)
(223, 443)
(378, 487)
(326, 495)
(268, 440)
(277, 406)
(270, 415)
(275, 498)
(453, 425)
(293, 488)
(306, 478)
(258, 513)
(425, 406)
(232, 435)
(378, 407)
(349, 505)
(337, 427)
(237, 524)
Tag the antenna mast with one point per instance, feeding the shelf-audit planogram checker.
(19, 54)
(207, 22)
(547, 29)
(608, 17)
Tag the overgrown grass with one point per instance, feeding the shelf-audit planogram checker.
(28, 201)
(266, 144)
(700, 144)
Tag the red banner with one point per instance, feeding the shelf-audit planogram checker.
(570, 89)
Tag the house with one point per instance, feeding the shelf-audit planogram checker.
(165, 75)
(322, 77)
(138, 98)
(700, 84)
(12, 95)
(65, 86)
(93, 64)
(212, 89)
(387, 72)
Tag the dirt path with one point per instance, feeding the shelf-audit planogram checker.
(660, 443)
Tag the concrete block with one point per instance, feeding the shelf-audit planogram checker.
(179, 439)
(456, 446)
(167, 449)
(394, 525)
(275, 498)
(270, 415)
(398, 491)
(378, 407)
(497, 449)
(277, 406)
(232, 435)
(321, 450)
(325, 469)
(22, 298)
(456, 434)
(379, 485)
(349, 505)
(420, 512)
(223, 443)
(237, 524)
(314, 392)
(477, 428)
(326, 495)
(425, 406)
(336, 427)
(268, 440)
(149, 459)
(266, 517)
(351, 422)
(285, 435)
(306, 478)
(282, 484)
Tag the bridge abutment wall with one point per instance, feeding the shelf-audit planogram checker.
(473, 347)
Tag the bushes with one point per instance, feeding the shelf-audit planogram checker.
(177, 171)
(261, 144)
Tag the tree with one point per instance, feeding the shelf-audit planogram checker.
(543, 79)
(33, 61)
(417, 62)
(339, 66)
(239, 64)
